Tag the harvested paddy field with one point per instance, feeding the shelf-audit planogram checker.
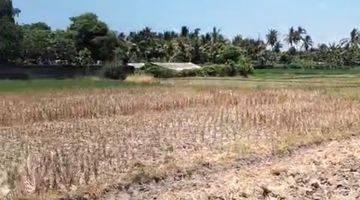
(187, 141)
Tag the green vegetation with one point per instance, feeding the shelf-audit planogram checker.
(338, 81)
(113, 71)
(88, 41)
(305, 73)
(10, 32)
(61, 84)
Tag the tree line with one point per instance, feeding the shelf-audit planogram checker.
(88, 40)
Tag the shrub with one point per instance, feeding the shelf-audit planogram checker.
(190, 73)
(158, 71)
(230, 53)
(243, 66)
(285, 58)
(113, 71)
(303, 63)
(84, 58)
(217, 70)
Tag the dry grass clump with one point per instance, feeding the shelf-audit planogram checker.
(67, 143)
(140, 79)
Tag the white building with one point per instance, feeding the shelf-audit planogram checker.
(173, 66)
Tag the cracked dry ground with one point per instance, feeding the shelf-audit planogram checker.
(327, 171)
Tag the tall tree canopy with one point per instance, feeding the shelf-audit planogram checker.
(10, 33)
(94, 35)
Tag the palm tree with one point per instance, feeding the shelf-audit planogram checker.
(290, 39)
(301, 31)
(238, 39)
(184, 31)
(298, 35)
(354, 39)
(277, 47)
(272, 38)
(215, 34)
(354, 36)
(195, 34)
(307, 42)
(295, 36)
(16, 12)
(170, 51)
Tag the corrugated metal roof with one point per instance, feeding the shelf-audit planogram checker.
(173, 66)
(136, 65)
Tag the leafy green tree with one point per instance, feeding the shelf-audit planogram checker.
(7, 10)
(37, 26)
(84, 58)
(36, 44)
(63, 46)
(104, 46)
(10, 32)
(230, 53)
(92, 34)
(10, 37)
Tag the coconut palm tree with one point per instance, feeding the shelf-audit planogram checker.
(298, 35)
(295, 36)
(354, 35)
(290, 39)
(307, 42)
(354, 39)
(277, 47)
(272, 37)
(301, 31)
(184, 31)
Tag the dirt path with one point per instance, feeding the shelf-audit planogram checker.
(329, 171)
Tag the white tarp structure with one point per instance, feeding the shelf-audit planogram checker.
(173, 66)
(136, 65)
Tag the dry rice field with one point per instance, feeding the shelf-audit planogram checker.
(84, 144)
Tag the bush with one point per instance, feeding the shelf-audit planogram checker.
(217, 70)
(189, 73)
(157, 71)
(84, 58)
(243, 66)
(113, 71)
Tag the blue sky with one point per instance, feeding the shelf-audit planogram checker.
(325, 20)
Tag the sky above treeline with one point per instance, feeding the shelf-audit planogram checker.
(326, 20)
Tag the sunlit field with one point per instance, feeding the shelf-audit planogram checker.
(83, 142)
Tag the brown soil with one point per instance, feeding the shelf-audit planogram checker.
(328, 171)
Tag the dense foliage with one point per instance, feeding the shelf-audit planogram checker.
(113, 71)
(10, 32)
(88, 41)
